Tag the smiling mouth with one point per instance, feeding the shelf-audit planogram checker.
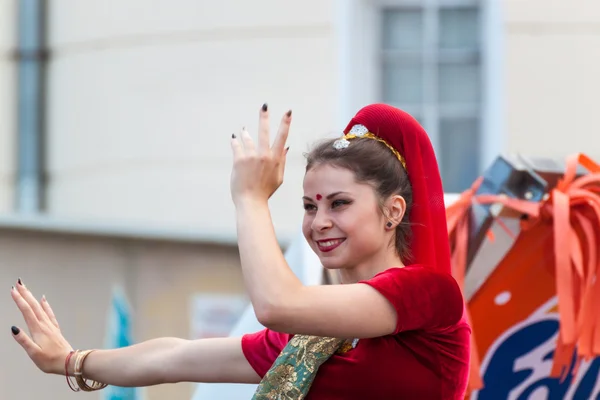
(329, 245)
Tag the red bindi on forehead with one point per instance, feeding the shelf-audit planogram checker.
(319, 197)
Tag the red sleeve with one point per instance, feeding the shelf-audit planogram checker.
(262, 348)
(423, 299)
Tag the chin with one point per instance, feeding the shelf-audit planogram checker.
(332, 264)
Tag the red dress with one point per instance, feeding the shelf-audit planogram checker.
(427, 358)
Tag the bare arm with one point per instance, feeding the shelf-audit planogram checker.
(164, 360)
(279, 298)
(171, 360)
(284, 304)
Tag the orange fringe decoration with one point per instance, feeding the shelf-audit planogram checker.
(573, 212)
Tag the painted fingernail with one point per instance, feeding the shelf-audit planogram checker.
(15, 330)
(287, 149)
(289, 113)
(265, 107)
(20, 282)
(233, 135)
(12, 288)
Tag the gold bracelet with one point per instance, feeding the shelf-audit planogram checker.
(81, 381)
(72, 384)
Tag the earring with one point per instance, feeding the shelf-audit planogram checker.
(389, 224)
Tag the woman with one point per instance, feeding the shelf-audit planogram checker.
(394, 329)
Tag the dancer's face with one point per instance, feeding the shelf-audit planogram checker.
(343, 222)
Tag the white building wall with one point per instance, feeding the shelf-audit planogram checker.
(552, 79)
(143, 101)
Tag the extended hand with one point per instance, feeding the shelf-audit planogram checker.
(258, 172)
(46, 347)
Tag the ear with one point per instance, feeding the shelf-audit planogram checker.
(395, 208)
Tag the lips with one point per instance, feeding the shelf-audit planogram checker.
(328, 245)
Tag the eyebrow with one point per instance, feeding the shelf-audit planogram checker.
(329, 197)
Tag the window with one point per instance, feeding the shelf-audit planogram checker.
(431, 67)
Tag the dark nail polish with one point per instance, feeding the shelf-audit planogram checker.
(13, 288)
(233, 135)
(289, 113)
(265, 107)
(15, 330)
(19, 282)
(287, 149)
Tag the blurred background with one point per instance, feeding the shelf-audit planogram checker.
(115, 119)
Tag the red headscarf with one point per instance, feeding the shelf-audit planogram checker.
(428, 216)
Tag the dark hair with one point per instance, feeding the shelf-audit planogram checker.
(375, 164)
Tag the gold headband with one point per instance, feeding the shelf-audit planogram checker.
(361, 131)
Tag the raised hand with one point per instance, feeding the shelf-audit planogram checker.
(258, 170)
(46, 347)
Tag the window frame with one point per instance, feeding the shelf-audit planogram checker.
(360, 66)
